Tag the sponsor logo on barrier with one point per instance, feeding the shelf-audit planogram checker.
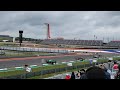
(45, 64)
(71, 61)
(19, 67)
(64, 62)
(69, 64)
(3, 69)
(110, 58)
(94, 60)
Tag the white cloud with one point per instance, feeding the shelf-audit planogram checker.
(67, 24)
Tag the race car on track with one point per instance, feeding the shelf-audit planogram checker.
(51, 61)
(81, 59)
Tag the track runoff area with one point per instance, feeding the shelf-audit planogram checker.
(60, 58)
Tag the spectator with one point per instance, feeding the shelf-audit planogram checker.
(26, 65)
(91, 61)
(95, 73)
(117, 76)
(82, 71)
(107, 73)
(78, 74)
(82, 74)
(115, 67)
(67, 76)
(110, 65)
(101, 66)
(72, 75)
(28, 69)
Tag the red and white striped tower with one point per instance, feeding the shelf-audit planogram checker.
(48, 31)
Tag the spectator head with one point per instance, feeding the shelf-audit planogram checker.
(26, 65)
(109, 60)
(101, 66)
(73, 73)
(83, 70)
(67, 76)
(95, 73)
(115, 62)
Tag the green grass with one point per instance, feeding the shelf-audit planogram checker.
(116, 58)
(16, 72)
(11, 73)
(7, 43)
(49, 75)
(5, 38)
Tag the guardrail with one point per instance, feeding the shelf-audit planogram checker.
(29, 49)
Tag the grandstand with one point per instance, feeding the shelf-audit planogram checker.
(6, 37)
(96, 44)
(74, 42)
(113, 44)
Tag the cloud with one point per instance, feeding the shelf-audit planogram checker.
(66, 24)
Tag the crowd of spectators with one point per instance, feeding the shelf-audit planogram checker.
(112, 71)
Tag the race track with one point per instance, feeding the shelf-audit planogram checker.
(15, 62)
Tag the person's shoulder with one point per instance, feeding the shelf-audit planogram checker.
(83, 76)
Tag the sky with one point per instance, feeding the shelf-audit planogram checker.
(85, 25)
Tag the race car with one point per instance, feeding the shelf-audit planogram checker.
(81, 59)
(51, 61)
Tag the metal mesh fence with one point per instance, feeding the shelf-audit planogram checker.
(44, 72)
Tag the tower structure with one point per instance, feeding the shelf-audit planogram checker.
(48, 31)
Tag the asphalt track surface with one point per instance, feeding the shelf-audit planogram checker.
(16, 62)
